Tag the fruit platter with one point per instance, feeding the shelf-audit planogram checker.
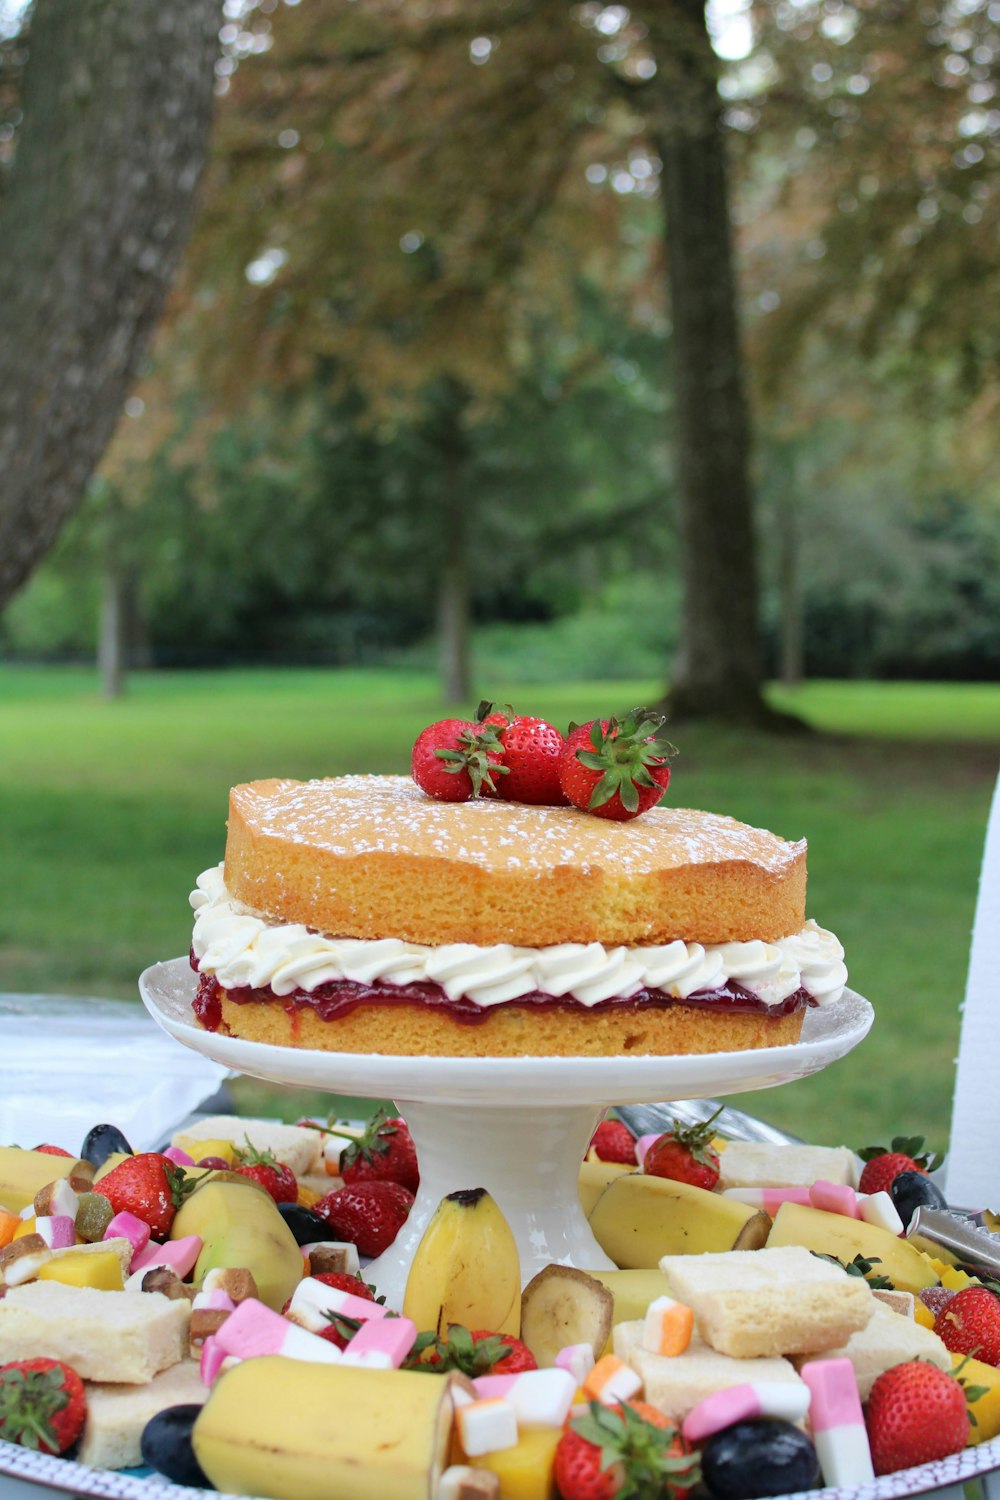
(762, 1312)
(512, 1286)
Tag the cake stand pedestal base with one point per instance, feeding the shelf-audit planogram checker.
(526, 1158)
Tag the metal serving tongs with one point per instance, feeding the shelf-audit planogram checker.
(653, 1119)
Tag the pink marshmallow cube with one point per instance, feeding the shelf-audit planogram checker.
(217, 1301)
(178, 1157)
(835, 1198)
(127, 1226)
(212, 1359)
(578, 1359)
(177, 1255)
(381, 1343)
(253, 1329)
(540, 1398)
(57, 1230)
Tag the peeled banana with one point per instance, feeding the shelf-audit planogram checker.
(594, 1177)
(639, 1219)
(296, 1431)
(561, 1306)
(844, 1238)
(466, 1268)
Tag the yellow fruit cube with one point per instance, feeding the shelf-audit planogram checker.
(26, 1226)
(922, 1314)
(9, 1225)
(198, 1150)
(951, 1277)
(306, 1197)
(526, 1470)
(99, 1269)
(986, 1408)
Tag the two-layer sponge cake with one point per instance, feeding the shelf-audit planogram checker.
(359, 915)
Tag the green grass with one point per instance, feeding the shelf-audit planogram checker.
(109, 811)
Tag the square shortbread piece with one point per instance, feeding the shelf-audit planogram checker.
(675, 1384)
(120, 1337)
(293, 1145)
(753, 1303)
(748, 1164)
(888, 1340)
(116, 1414)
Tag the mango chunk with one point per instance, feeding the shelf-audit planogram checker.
(101, 1270)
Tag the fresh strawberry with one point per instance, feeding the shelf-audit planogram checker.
(684, 1153)
(883, 1164)
(264, 1168)
(531, 751)
(616, 768)
(915, 1413)
(970, 1324)
(481, 1352)
(619, 1452)
(52, 1150)
(43, 1404)
(385, 1153)
(149, 1186)
(613, 1141)
(369, 1214)
(455, 760)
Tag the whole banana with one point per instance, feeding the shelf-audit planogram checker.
(466, 1268)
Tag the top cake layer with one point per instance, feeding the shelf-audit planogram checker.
(373, 856)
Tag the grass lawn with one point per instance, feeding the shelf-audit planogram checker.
(109, 811)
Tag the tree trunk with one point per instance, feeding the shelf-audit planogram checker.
(789, 549)
(117, 110)
(110, 640)
(446, 433)
(718, 671)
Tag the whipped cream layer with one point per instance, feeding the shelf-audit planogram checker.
(243, 950)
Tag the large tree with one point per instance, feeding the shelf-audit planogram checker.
(402, 192)
(116, 103)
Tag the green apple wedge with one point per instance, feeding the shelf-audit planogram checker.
(240, 1225)
(639, 1219)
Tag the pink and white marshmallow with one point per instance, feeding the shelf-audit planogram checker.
(835, 1198)
(578, 1359)
(611, 1380)
(540, 1398)
(253, 1330)
(313, 1301)
(738, 1403)
(838, 1423)
(57, 1230)
(769, 1199)
(878, 1208)
(178, 1256)
(381, 1343)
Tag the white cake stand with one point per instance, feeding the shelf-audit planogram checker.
(515, 1126)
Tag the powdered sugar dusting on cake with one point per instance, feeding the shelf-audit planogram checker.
(356, 815)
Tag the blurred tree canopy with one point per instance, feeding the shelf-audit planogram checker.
(455, 334)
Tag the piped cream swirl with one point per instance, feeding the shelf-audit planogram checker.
(242, 949)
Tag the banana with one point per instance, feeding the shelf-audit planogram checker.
(594, 1177)
(639, 1219)
(563, 1306)
(466, 1268)
(844, 1238)
(296, 1431)
(633, 1291)
(241, 1226)
(22, 1173)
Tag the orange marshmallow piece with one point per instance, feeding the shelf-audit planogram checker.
(611, 1380)
(668, 1326)
(9, 1224)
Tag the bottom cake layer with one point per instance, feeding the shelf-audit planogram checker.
(508, 1030)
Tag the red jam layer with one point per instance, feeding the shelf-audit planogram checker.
(340, 997)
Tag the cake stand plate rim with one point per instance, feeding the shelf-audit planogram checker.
(167, 989)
